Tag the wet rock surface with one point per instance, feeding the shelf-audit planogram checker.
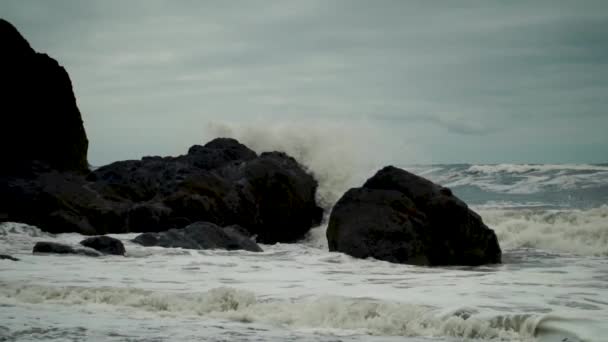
(400, 217)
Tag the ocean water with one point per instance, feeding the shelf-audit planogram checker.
(551, 221)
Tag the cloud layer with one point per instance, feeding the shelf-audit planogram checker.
(472, 81)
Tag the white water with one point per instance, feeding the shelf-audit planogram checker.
(302, 292)
(551, 221)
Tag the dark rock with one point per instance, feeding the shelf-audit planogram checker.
(59, 203)
(58, 248)
(275, 197)
(105, 245)
(200, 235)
(39, 114)
(400, 217)
(8, 257)
(149, 217)
(223, 182)
(243, 238)
(271, 196)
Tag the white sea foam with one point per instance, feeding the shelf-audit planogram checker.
(357, 315)
(15, 237)
(339, 157)
(526, 168)
(582, 232)
(517, 179)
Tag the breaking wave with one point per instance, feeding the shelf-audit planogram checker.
(521, 179)
(576, 231)
(356, 315)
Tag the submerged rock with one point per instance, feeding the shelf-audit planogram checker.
(8, 257)
(58, 248)
(400, 217)
(105, 245)
(200, 235)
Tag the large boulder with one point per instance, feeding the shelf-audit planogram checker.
(200, 235)
(105, 245)
(40, 119)
(403, 218)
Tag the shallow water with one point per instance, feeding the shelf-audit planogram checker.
(552, 286)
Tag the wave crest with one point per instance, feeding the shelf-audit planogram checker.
(358, 315)
(582, 232)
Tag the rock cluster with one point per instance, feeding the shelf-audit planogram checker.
(185, 201)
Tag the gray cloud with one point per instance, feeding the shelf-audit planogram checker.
(472, 81)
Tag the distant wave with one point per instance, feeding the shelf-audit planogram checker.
(526, 168)
(518, 179)
(581, 232)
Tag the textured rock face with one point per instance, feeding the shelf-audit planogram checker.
(39, 114)
(223, 182)
(399, 217)
(201, 235)
(105, 245)
(270, 195)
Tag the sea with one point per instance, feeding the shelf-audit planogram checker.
(551, 222)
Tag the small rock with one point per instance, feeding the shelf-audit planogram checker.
(8, 257)
(200, 235)
(105, 245)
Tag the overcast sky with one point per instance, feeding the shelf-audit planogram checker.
(410, 81)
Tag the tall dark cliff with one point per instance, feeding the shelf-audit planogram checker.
(38, 113)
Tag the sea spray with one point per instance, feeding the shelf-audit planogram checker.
(339, 156)
(576, 231)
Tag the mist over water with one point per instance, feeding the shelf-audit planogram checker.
(340, 156)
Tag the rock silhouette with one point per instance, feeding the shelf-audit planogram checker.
(400, 217)
(41, 122)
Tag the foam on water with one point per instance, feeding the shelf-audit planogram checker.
(302, 287)
(551, 221)
(581, 232)
(357, 315)
(520, 180)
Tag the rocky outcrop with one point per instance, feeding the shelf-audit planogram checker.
(41, 122)
(58, 248)
(400, 217)
(201, 235)
(105, 245)
(223, 182)
(45, 182)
